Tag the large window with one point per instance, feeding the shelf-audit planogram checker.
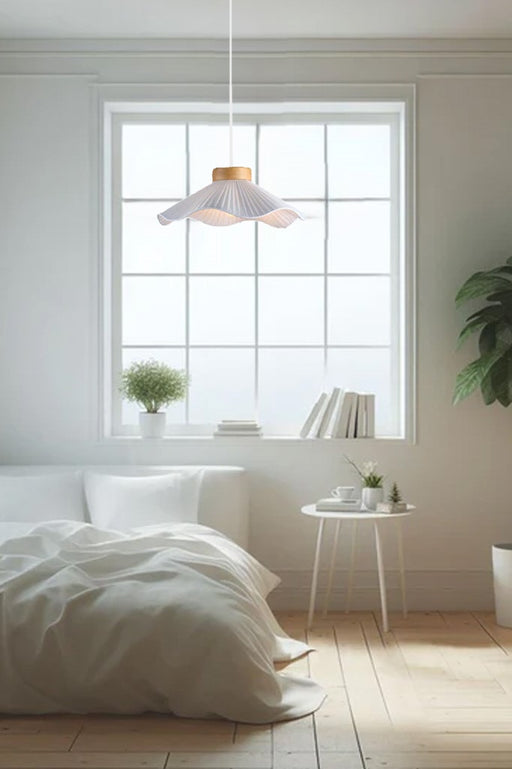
(262, 319)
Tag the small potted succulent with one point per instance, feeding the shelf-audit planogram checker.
(395, 503)
(154, 386)
(372, 491)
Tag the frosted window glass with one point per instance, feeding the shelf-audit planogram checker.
(291, 310)
(147, 246)
(221, 310)
(289, 383)
(154, 161)
(299, 248)
(222, 385)
(174, 358)
(153, 310)
(358, 159)
(291, 160)
(209, 149)
(359, 237)
(358, 311)
(222, 249)
(366, 371)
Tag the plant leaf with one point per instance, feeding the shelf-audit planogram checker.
(509, 260)
(472, 375)
(503, 297)
(487, 339)
(487, 388)
(500, 376)
(481, 283)
(469, 329)
(490, 312)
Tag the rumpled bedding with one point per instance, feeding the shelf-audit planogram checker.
(164, 619)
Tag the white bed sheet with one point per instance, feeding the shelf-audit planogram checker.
(165, 619)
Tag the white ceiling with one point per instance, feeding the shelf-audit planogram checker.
(254, 18)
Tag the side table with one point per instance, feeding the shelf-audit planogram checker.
(355, 516)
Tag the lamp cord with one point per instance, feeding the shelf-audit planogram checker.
(230, 82)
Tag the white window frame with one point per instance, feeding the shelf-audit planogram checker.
(396, 112)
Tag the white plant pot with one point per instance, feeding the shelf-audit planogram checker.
(502, 573)
(152, 425)
(371, 497)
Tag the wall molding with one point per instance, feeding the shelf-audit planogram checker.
(278, 47)
(426, 590)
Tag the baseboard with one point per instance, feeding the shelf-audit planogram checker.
(426, 590)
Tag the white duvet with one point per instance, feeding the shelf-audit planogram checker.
(164, 620)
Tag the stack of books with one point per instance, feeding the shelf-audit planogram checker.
(247, 428)
(335, 505)
(341, 414)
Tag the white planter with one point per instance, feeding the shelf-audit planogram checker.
(152, 425)
(371, 497)
(502, 573)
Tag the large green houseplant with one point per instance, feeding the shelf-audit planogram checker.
(492, 370)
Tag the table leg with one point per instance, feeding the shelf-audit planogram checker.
(401, 565)
(382, 579)
(331, 566)
(352, 566)
(314, 581)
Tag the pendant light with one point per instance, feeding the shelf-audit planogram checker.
(232, 197)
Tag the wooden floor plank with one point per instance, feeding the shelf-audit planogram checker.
(333, 760)
(371, 717)
(295, 737)
(142, 741)
(63, 760)
(250, 737)
(402, 702)
(450, 760)
(334, 725)
(502, 635)
(231, 760)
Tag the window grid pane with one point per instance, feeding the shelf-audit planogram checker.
(266, 252)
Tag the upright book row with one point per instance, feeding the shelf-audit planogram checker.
(341, 415)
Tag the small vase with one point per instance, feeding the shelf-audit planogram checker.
(152, 425)
(370, 497)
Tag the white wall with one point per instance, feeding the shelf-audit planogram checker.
(458, 473)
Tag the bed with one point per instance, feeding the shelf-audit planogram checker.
(130, 589)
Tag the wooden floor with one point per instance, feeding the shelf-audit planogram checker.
(435, 693)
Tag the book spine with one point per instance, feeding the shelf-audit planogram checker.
(348, 401)
(321, 411)
(351, 431)
(313, 414)
(370, 415)
(361, 416)
(329, 410)
(337, 416)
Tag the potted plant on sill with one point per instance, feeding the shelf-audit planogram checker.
(492, 373)
(154, 386)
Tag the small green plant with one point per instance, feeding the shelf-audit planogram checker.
(153, 385)
(394, 495)
(492, 371)
(369, 478)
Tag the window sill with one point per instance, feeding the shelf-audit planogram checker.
(249, 440)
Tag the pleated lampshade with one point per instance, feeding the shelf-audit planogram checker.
(231, 198)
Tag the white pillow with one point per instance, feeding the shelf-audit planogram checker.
(38, 498)
(124, 502)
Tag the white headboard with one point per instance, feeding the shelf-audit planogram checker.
(223, 503)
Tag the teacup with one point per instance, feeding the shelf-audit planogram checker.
(344, 493)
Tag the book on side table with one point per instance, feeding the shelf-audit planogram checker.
(334, 505)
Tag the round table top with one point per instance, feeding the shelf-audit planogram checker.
(354, 515)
